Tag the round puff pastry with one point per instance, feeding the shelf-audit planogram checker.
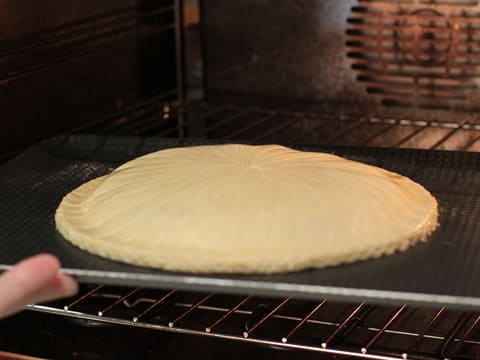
(245, 209)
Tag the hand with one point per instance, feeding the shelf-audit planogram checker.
(33, 280)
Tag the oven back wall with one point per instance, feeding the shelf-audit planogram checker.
(403, 59)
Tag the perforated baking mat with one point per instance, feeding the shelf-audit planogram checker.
(443, 271)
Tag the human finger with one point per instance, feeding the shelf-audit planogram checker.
(28, 280)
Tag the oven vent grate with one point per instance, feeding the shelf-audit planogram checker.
(417, 53)
(357, 330)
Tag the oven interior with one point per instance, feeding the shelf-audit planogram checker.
(394, 74)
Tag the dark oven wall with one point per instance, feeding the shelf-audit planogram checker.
(63, 63)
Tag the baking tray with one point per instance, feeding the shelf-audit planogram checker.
(443, 271)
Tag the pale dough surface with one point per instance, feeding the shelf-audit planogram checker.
(245, 209)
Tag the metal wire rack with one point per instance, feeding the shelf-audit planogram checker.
(160, 117)
(357, 330)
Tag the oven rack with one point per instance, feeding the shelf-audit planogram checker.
(162, 117)
(354, 330)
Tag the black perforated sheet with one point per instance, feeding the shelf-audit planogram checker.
(443, 271)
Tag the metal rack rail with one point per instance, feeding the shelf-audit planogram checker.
(357, 330)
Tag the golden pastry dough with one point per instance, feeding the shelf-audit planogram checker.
(245, 209)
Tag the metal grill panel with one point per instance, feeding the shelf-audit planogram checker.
(357, 330)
